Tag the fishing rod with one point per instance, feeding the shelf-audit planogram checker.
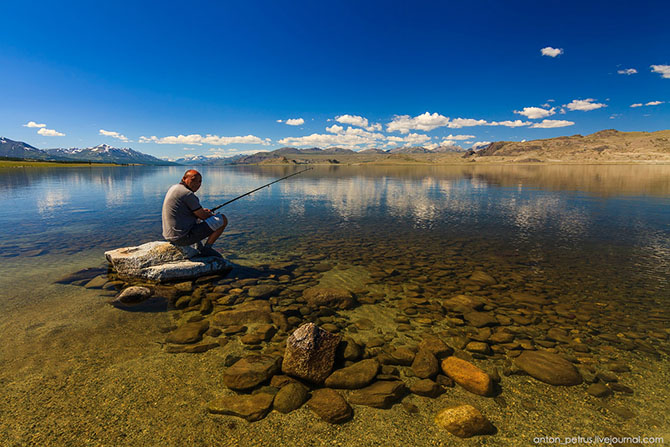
(260, 187)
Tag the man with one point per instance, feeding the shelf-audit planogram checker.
(181, 211)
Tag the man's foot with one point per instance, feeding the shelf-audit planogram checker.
(209, 252)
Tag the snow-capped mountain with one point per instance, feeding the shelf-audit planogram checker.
(101, 153)
(19, 149)
(106, 153)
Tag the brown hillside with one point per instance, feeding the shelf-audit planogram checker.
(606, 146)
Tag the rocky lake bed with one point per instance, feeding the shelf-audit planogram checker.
(450, 349)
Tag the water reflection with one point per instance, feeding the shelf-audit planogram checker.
(48, 203)
(531, 208)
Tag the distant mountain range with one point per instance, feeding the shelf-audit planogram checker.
(102, 153)
(312, 155)
(19, 149)
(107, 154)
(605, 146)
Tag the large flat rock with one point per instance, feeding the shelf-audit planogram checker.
(549, 368)
(252, 407)
(163, 261)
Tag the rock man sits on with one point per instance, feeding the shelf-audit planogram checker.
(185, 221)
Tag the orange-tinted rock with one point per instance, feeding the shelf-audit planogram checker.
(468, 376)
(464, 421)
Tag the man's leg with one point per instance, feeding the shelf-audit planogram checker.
(215, 235)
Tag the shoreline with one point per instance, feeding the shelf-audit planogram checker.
(55, 164)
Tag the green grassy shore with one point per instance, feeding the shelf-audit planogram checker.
(16, 163)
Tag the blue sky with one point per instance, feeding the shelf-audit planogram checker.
(178, 78)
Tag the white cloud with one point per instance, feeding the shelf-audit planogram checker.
(34, 124)
(650, 103)
(50, 132)
(294, 121)
(351, 138)
(515, 123)
(428, 122)
(335, 128)
(199, 140)
(358, 121)
(353, 120)
(551, 124)
(551, 52)
(416, 138)
(663, 70)
(627, 71)
(536, 112)
(480, 144)
(425, 122)
(584, 105)
(466, 122)
(458, 137)
(109, 133)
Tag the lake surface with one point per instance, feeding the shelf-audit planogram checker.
(593, 240)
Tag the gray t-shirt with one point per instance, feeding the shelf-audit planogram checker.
(178, 207)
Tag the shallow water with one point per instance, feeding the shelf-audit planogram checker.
(595, 240)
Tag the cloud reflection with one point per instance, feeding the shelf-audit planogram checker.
(50, 201)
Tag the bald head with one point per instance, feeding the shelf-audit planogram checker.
(192, 179)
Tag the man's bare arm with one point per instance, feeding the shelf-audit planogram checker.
(202, 213)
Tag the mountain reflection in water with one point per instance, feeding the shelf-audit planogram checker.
(530, 209)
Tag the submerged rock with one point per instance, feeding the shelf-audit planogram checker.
(331, 297)
(468, 376)
(132, 296)
(310, 353)
(355, 376)
(426, 387)
(188, 333)
(436, 346)
(425, 364)
(257, 311)
(97, 282)
(464, 421)
(252, 407)
(291, 397)
(330, 406)
(482, 278)
(250, 372)
(548, 368)
(380, 394)
(163, 261)
(463, 302)
(480, 319)
(263, 291)
(526, 297)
